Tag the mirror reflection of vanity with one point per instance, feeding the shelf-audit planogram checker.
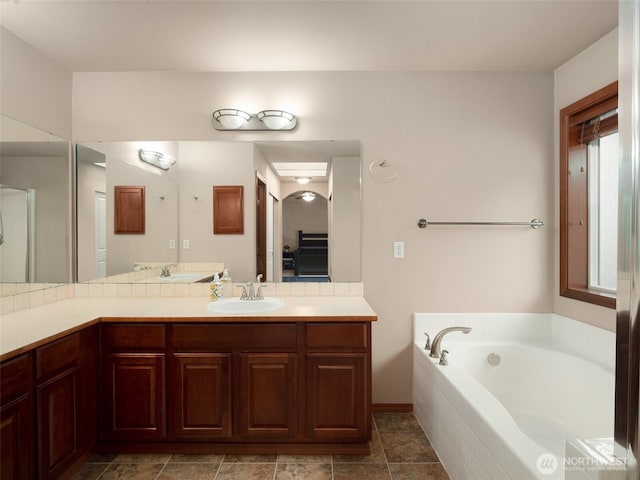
(35, 208)
(179, 207)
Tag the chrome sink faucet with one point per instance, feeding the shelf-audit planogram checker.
(249, 292)
(165, 272)
(435, 345)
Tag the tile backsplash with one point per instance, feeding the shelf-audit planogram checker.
(17, 301)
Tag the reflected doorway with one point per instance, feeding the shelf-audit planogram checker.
(305, 220)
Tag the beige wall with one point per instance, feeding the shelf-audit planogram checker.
(161, 205)
(33, 89)
(470, 146)
(202, 165)
(48, 176)
(92, 179)
(345, 217)
(590, 70)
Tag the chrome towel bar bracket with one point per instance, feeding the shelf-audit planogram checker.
(535, 223)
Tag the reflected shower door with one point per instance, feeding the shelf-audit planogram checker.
(17, 232)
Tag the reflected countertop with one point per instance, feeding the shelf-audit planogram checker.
(26, 329)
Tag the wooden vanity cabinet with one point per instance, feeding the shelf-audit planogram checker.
(237, 386)
(66, 398)
(233, 381)
(17, 437)
(133, 382)
(338, 381)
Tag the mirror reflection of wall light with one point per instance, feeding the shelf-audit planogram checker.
(234, 119)
(308, 196)
(157, 159)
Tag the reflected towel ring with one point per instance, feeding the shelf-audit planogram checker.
(381, 164)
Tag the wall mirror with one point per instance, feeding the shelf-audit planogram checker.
(35, 208)
(179, 207)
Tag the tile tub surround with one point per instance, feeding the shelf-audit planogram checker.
(391, 458)
(16, 299)
(469, 444)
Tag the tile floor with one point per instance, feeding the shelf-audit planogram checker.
(399, 451)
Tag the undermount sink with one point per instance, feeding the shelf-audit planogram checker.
(237, 306)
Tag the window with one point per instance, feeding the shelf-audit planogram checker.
(589, 197)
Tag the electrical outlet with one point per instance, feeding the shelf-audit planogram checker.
(172, 244)
(398, 249)
(185, 244)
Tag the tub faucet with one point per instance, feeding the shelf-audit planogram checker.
(435, 345)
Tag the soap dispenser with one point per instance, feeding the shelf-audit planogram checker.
(215, 289)
(226, 281)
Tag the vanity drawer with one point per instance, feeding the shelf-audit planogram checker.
(15, 377)
(226, 337)
(57, 356)
(134, 337)
(336, 336)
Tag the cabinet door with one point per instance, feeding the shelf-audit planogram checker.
(133, 389)
(57, 407)
(202, 395)
(266, 398)
(337, 396)
(17, 440)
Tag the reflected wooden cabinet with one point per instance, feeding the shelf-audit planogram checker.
(129, 209)
(228, 209)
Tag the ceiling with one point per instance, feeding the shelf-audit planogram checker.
(263, 35)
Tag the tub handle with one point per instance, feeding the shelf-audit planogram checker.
(443, 358)
(427, 345)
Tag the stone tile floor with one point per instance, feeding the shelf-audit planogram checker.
(399, 451)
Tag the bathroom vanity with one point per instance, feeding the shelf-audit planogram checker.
(297, 380)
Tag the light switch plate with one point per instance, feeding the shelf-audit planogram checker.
(172, 244)
(398, 249)
(185, 244)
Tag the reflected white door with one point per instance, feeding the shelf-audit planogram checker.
(270, 249)
(14, 251)
(101, 234)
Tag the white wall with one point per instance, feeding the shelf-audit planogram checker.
(592, 69)
(470, 146)
(33, 89)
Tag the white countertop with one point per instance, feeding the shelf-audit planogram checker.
(26, 329)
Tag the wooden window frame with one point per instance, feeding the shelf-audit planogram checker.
(574, 273)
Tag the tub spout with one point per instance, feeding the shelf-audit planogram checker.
(435, 345)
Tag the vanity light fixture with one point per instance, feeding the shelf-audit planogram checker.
(303, 180)
(234, 119)
(157, 159)
(277, 119)
(231, 118)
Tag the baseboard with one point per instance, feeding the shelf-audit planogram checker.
(392, 407)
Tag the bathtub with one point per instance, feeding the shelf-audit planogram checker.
(551, 395)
